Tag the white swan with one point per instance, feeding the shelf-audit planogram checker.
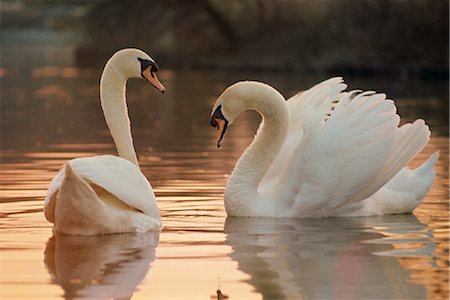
(325, 152)
(108, 194)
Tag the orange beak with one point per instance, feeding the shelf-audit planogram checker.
(153, 79)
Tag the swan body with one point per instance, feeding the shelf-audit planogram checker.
(108, 194)
(323, 153)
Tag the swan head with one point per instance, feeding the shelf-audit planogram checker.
(135, 63)
(227, 107)
(238, 98)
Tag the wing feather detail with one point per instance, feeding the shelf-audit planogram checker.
(119, 177)
(341, 148)
(114, 174)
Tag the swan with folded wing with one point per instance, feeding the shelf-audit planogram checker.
(108, 194)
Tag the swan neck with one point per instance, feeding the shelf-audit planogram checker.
(258, 157)
(113, 100)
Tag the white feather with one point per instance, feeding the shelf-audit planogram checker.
(341, 151)
(106, 194)
(119, 177)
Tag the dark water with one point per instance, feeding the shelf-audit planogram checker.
(50, 113)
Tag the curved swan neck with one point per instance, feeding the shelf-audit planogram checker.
(113, 100)
(257, 158)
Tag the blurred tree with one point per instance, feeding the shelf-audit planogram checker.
(386, 36)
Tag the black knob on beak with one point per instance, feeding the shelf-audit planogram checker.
(213, 122)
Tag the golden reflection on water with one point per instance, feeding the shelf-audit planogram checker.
(193, 239)
(93, 267)
(199, 250)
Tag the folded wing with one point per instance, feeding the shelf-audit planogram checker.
(114, 174)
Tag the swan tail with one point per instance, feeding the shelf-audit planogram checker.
(423, 177)
(428, 167)
(410, 139)
(404, 192)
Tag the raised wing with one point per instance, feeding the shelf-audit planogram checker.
(350, 146)
(307, 109)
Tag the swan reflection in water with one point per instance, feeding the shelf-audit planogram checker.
(327, 258)
(100, 267)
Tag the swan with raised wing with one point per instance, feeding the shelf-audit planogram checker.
(325, 152)
(108, 194)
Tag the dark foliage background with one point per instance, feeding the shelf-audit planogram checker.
(386, 36)
(400, 38)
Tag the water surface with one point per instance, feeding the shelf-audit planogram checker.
(50, 113)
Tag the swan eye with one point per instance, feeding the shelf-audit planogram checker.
(146, 63)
